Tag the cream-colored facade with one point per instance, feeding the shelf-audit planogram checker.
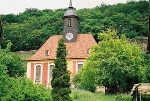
(73, 66)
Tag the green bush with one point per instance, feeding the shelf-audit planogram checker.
(145, 97)
(22, 89)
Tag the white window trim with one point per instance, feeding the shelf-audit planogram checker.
(35, 72)
(77, 66)
(49, 71)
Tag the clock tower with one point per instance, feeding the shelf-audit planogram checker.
(71, 21)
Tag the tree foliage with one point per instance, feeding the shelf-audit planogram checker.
(113, 62)
(61, 78)
(22, 89)
(30, 29)
(13, 87)
(11, 63)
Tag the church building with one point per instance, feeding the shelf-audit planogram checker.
(40, 65)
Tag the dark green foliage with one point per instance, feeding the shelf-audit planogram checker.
(61, 78)
(145, 97)
(22, 89)
(30, 29)
(1, 29)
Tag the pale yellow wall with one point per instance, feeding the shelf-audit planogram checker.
(69, 64)
(28, 69)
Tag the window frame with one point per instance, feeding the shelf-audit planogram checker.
(67, 52)
(69, 23)
(47, 52)
(49, 72)
(87, 51)
(77, 69)
(40, 73)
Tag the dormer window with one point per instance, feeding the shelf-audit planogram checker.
(67, 52)
(88, 51)
(69, 22)
(47, 52)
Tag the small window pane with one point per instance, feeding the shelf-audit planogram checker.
(69, 22)
(47, 53)
(88, 51)
(79, 67)
(38, 74)
(67, 52)
(51, 67)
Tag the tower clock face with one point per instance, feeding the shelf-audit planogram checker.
(69, 36)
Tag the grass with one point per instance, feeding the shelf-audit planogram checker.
(81, 95)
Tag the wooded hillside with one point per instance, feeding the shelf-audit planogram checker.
(30, 29)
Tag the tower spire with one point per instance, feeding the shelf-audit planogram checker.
(70, 4)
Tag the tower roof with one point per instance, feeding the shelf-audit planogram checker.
(70, 11)
(70, 4)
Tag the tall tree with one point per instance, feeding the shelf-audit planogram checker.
(61, 78)
(113, 62)
(1, 30)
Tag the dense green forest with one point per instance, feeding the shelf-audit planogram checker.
(30, 29)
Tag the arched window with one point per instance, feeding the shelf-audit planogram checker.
(79, 65)
(38, 73)
(50, 72)
(69, 22)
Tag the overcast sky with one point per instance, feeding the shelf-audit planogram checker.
(16, 6)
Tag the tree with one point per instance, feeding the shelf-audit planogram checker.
(113, 63)
(11, 63)
(61, 78)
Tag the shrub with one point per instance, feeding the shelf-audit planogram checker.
(145, 97)
(22, 89)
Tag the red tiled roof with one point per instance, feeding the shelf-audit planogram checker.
(77, 49)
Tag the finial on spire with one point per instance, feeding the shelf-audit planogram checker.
(70, 4)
